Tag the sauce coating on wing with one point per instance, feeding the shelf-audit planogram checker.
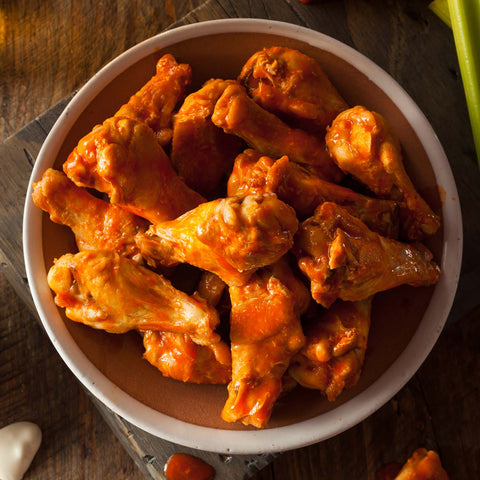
(293, 86)
(155, 102)
(363, 144)
(230, 237)
(123, 159)
(238, 114)
(344, 259)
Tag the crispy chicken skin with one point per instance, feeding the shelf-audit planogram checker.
(334, 351)
(201, 152)
(238, 114)
(230, 237)
(344, 259)
(265, 333)
(154, 103)
(422, 465)
(106, 291)
(363, 144)
(304, 191)
(96, 224)
(123, 159)
(294, 87)
(177, 356)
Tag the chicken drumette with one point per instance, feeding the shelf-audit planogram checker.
(230, 237)
(106, 291)
(154, 103)
(123, 159)
(177, 356)
(237, 113)
(344, 259)
(334, 351)
(96, 224)
(265, 333)
(293, 86)
(362, 143)
(422, 465)
(304, 191)
(201, 152)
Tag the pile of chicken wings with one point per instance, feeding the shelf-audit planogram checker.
(244, 181)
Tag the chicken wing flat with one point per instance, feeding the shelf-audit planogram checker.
(363, 144)
(304, 191)
(238, 114)
(177, 356)
(334, 351)
(123, 159)
(230, 237)
(96, 224)
(106, 291)
(294, 87)
(422, 465)
(201, 152)
(154, 103)
(344, 259)
(265, 333)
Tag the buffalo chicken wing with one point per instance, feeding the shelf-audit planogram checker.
(363, 144)
(293, 86)
(344, 259)
(230, 237)
(113, 293)
(334, 351)
(155, 102)
(201, 152)
(265, 333)
(123, 159)
(304, 191)
(177, 356)
(237, 113)
(422, 465)
(96, 224)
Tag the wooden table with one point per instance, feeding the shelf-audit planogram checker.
(47, 51)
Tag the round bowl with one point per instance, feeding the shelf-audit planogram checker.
(406, 321)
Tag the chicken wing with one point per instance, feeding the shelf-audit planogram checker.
(304, 191)
(201, 152)
(265, 333)
(211, 288)
(334, 351)
(230, 237)
(96, 224)
(294, 87)
(237, 113)
(344, 259)
(106, 291)
(177, 356)
(422, 465)
(123, 159)
(363, 144)
(154, 103)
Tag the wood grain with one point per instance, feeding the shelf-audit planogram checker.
(50, 48)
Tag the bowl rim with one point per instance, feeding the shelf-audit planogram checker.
(268, 440)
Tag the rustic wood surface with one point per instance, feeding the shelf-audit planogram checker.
(48, 49)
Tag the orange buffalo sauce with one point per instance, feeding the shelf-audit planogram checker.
(182, 466)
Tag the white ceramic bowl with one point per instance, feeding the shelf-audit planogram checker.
(84, 350)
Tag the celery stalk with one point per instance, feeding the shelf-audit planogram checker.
(440, 8)
(465, 18)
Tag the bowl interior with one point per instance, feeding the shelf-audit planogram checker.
(396, 313)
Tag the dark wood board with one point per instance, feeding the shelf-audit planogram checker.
(405, 39)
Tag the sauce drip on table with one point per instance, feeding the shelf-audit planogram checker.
(182, 466)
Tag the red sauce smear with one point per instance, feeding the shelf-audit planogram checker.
(182, 466)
